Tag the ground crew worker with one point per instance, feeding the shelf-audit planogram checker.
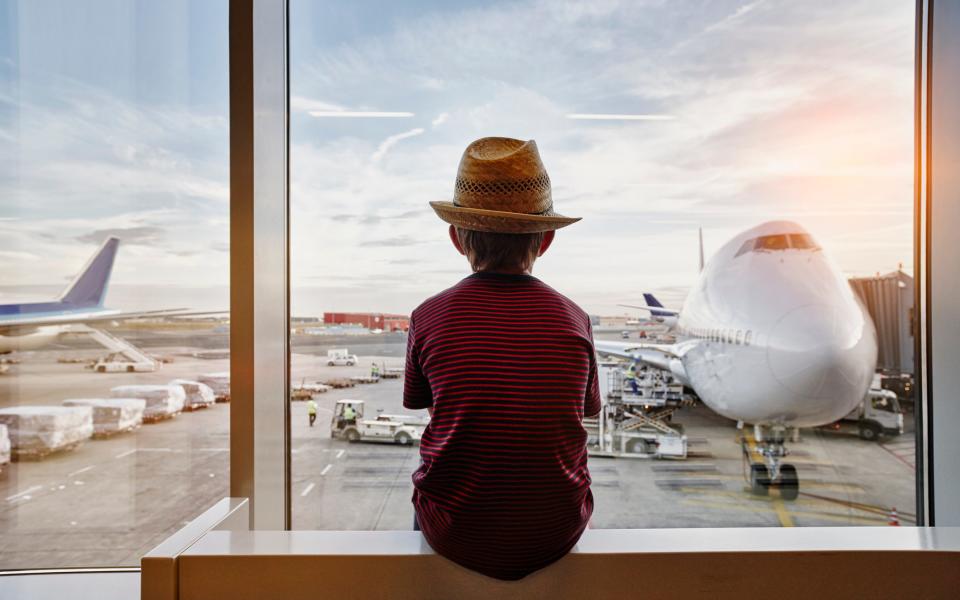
(631, 376)
(312, 411)
(374, 371)
(349, 415)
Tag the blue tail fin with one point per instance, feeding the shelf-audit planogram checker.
(651, 300)
(90, 287)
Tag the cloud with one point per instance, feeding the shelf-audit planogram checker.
(145, 236)
(784, 110)
(392, 141)
(394, 242)
(302, 104)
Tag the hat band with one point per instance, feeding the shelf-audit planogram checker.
(525, 196)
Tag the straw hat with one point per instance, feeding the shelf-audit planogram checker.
(503, 187)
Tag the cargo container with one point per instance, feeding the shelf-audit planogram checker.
(112, 415)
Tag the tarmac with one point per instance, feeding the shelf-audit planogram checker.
(109, 501)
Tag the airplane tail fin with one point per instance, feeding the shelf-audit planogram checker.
(701, 249)
(651, 300)
(90, 286)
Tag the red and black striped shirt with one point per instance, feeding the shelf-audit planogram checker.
(508, 365)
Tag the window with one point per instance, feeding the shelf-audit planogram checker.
(803, 241)
(771, 242)
(114, 126)
(385, 99)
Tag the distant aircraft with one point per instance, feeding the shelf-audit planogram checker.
(658, 312)
(29, 326)
(772, 335)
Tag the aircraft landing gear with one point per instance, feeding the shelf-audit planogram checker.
(768, 442)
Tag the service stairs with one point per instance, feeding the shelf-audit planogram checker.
(114, 344)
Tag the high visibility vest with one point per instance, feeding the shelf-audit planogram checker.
(312, 407)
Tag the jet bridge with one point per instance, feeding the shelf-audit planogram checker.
(123, 357)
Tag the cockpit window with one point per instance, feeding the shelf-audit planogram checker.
(803, 241)
(771, 242)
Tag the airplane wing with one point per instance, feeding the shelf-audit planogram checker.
(656, 310)
(14, 325)
(666, 357)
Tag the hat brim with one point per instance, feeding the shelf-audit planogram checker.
(497, 221)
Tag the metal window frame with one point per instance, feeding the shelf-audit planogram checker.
(938, 217)
(259, 260)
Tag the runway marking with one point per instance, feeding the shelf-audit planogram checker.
(782, 514)
(78, 471)
(325, 469)
(900, 458)
(340, 453)
(125, 454)
(25, 492)
(307, 490)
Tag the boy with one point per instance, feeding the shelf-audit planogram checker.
(506, 367)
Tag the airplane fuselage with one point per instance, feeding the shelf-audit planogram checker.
(772, 332)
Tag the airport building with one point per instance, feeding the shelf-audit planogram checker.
(383, 321)
(180, 180)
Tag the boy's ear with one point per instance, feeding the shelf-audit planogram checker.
(545, 244)
(456, 240)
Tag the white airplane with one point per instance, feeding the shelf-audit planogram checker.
(771, 335)
(33, 325)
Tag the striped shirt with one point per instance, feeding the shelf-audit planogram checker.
(508, 365)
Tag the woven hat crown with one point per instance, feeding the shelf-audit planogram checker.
(503, 174)
(502, 187)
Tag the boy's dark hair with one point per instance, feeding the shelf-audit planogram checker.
(488, 251)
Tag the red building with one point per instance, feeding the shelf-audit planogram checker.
(384, 321)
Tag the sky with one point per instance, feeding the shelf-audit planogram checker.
(114, 120)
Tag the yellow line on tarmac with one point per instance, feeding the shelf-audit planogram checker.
(782, 514)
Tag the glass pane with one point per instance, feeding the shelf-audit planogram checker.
(113, 203)
(770, 121)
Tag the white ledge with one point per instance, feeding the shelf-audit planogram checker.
(216, 556)
(596, 541)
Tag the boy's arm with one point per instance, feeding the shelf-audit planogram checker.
(416, 388)
(591, 403)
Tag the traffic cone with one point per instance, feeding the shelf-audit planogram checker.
(894, 519)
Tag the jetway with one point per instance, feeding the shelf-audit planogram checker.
(889, 301)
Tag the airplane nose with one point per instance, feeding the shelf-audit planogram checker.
(820, 352)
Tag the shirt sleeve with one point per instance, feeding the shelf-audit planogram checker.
(591, 404)
(416, 388)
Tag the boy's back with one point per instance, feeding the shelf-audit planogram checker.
(507, 365)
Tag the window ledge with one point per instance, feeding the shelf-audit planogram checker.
(225, 561)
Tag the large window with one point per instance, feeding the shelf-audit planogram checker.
(113, 145)
(780, 127)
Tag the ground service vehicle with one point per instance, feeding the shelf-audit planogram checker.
(878, 415)
(396, 429)
(340, 357)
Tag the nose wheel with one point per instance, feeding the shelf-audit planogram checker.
(768, 446)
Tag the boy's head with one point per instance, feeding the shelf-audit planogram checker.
(500, 252)
(501, 215)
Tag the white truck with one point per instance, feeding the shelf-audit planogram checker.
(118, 362)
(348, 424)
(339, 357)
(878, 415)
